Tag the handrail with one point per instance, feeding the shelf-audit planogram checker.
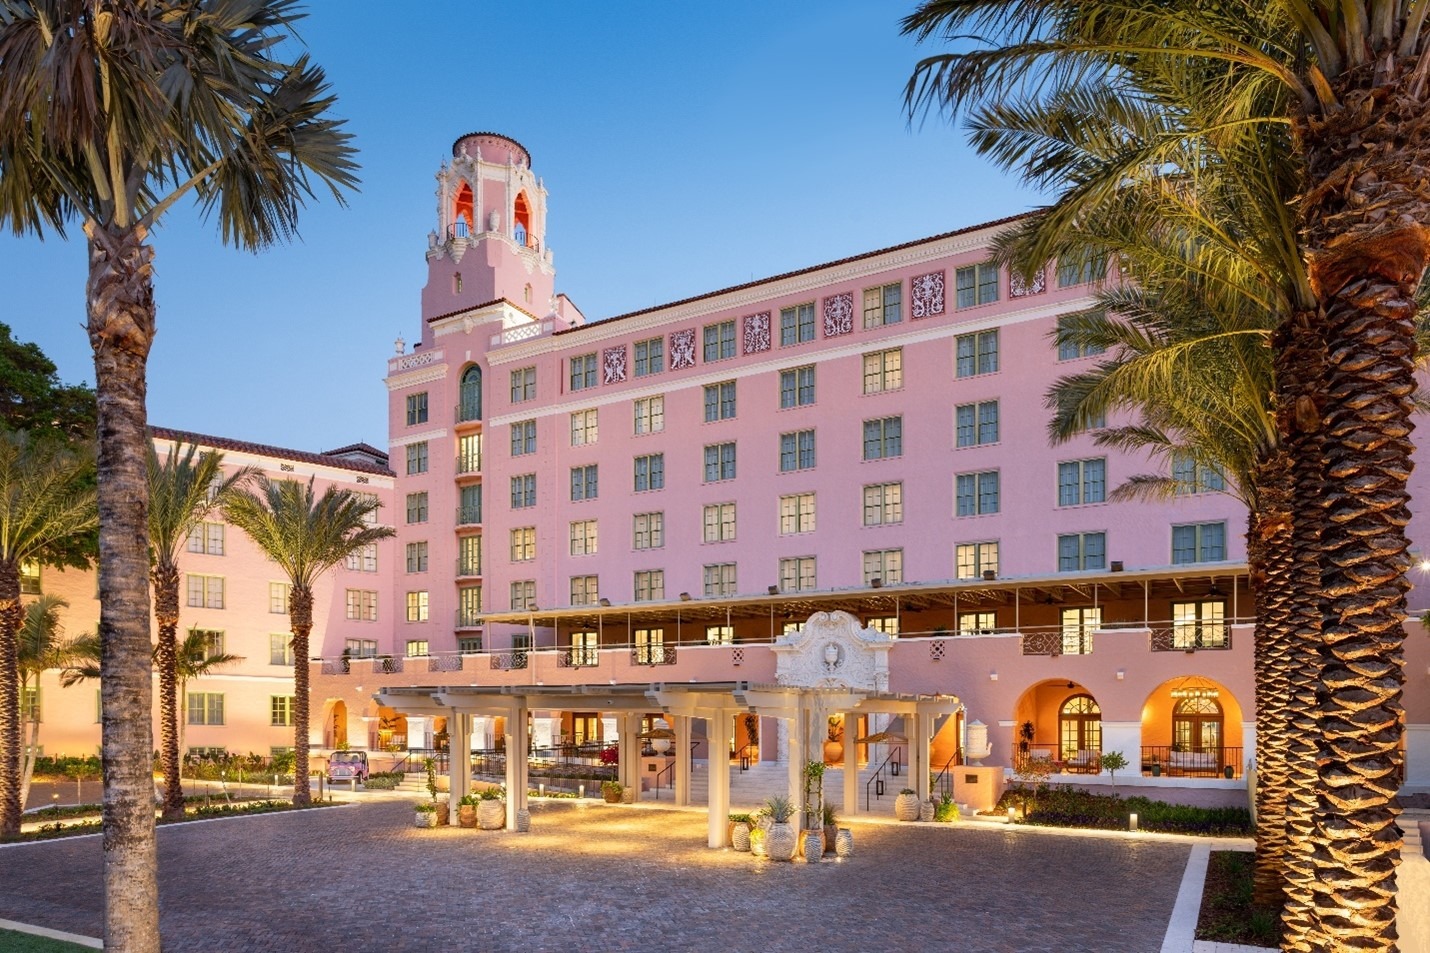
(876, 780)
(744, 755)
(943, 782)
(668, 768)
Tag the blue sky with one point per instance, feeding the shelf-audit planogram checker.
(685, 147)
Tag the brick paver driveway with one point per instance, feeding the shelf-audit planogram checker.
(602, 878)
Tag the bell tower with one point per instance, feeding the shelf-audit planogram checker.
(490, 240)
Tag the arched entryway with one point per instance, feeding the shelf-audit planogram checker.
(1059, 722)
(1080, 728)
(335, 724)
(1192, 727)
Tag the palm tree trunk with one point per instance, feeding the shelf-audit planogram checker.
(32, 748)
(165, 577)
(120, 300)
(10, 733)
(301, 614)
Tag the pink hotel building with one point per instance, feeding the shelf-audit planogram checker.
(601, 524)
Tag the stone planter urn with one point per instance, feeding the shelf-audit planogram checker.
(844, 843)
(491, 815)
(523, 820)
(781, 841)
(740, 835)
(906, 806)
(831, 833)
(444, 813)
(467, 816)
(833, 752)
(926, 809)
(628, 796)
(813, 846)
(425, 818)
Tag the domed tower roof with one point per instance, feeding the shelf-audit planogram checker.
(492, 146)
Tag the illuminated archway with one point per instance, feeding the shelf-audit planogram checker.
(521, 222)
(1056, 719)
(463, 212)
(1192, 727)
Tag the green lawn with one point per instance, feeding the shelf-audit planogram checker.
(12, 942)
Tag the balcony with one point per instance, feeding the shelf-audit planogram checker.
(467, 568)
(1190, 638)
(468, 619)
(469, 515)
(469, 462)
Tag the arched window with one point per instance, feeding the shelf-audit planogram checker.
(463, 211)
(1197, 724)
(1079, 726)
(521, 221)
(471, 396)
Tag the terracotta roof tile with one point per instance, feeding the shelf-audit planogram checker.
(265, 450)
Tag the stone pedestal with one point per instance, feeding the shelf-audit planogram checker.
(978, 787)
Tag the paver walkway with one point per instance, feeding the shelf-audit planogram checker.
(605, 878)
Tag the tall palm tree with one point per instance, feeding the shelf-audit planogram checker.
(110, 113)
(184, 489)
(306, 535)
(45, 498)
(195, 657)
(41, 649)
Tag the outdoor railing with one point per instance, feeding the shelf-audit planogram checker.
(444, 663)
(468, 567)
(508, 661)
(653, 655)
(1190, 638)
(1030, 756)
(1206, 762)
(893, 763)
(469, 515)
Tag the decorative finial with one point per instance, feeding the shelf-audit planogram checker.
(399, 346)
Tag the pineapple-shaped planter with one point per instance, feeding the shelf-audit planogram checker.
(844, 843)
(491, 815)
(523, 820)
(740, 835)
(813, 846)
(426, 818)
(926, 809)
(782, 840)
(906, 805)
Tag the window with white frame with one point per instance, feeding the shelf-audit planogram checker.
(650, 472)
(650, 414)
(469, 605)
(719, 635)
(797, 386)
(523, 544)
(972, 560)
(523, 437)
(883, 503)
(797, 574)
(523, 384)
(417, 408)
(1070, 349)
(280, 648)
(523, 595)
(1082, 481)
(1199, 543)
(417, 648)
(205, 591)
(719, 462)
(417, 507)
(469, 644)
(583, 427)
(719, 579)
(649, 585)
(1192, 476)
(648, 531)
(210, 643)
(976, 353)
(649, 356)
(583, 371)
(583, 483)
(361, 604)
(417, 606)
(469, 555)
(1199, 625)
(797, 324)
(975, 494)
(585, 590)
(887, 624)
(796, 451)
(30, 578)
(883, 438)
(719, 401)
(719, 341)
(278, 595)
(884, 370)
(206, 538)
(886, 565)
(1081, 270)
(523, 491)
(362, 559)
(417, 457)
(280, 710)
(360, 648)
(975, 284)
(370, 502)
(583, 538)
(205, 708)
(883, 305)
(796, 513)
(469, 453)
(1080, 551)
(975, 424)
(719, 523)
(977, 623)
(650, 646)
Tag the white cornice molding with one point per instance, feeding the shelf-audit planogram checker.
(418, 437)
(428, 374)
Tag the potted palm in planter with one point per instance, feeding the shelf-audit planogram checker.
(612, 791)
(491, 809)
(830, 816)
(467, 811)
(813, 835)
(781, 841)
(906, 805)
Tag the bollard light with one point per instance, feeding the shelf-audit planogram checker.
(581, 791)
(1011, 812)
(541, 789)
(1132, 823)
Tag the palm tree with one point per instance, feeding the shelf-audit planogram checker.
(307, 535)
(184, 488)
(45, 498)
(193, 658)
(110, 113)
(41, 649)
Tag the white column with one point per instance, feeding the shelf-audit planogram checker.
(459, 735)
(681, 726)
(919, 753)
(418, 729)
(516, 744)
(797, 732)
(718, 731)
(630, 752)
(851, 765)
(1124, 737)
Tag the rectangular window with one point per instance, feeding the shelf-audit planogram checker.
(1082, 481)
(280, 709)
(719, 635)
(719, 341)
(882, 305)
(205, 708)
(583, 538)
(417, 648)
(719, 401)
(650, 585)
(650, 472)
(417, 606)
(719, 462)
(977, 623)
(648, 531)
(650, 414)
(719, 522)
(797, 574)
(523, 385)
(30, 578)
(417, 457)
(886, 565)
(523, 437)
(583, 427)
(585, 650)
(469, 605)
(887, 624)
(211, 643)
(1199, 625)
(972, 560)
(796, 451)
(975, 284)
(278, 594)
(469, 453)
(363, 559)
(797, 387)
(360, 648)
(469, 644)
(883, 438)
(584, 590)
(469, 555)
(206, 538)
(976, 494)
(1192, 476)
(650, 646)
(1069, 350)
(362, 605)
(523, 491)
(417, 408)
(976, 424)
(1078, 625)
(1079, 551)
(280, 648)
(583, 483)
(469, 504)
(205, 592)
(976, 353)
(417, 557)
(883, 504)
(884, 370)
(523, 595)
(797, 324)
(523, 544)
(650, 356)
(417, 507)
(1081, 271)
(720, 579)
(797, 513)
(1199, 543)
(583, 371)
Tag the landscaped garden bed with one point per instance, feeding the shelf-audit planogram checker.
(1071, 807)
(1227, 914)
(85, 818)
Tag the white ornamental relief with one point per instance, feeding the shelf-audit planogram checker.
(832, 650)
(757, 332)
(927, 294)
(839, 314)
(682, 349)
(1018, 288)
(417, 360)
(613, 364)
